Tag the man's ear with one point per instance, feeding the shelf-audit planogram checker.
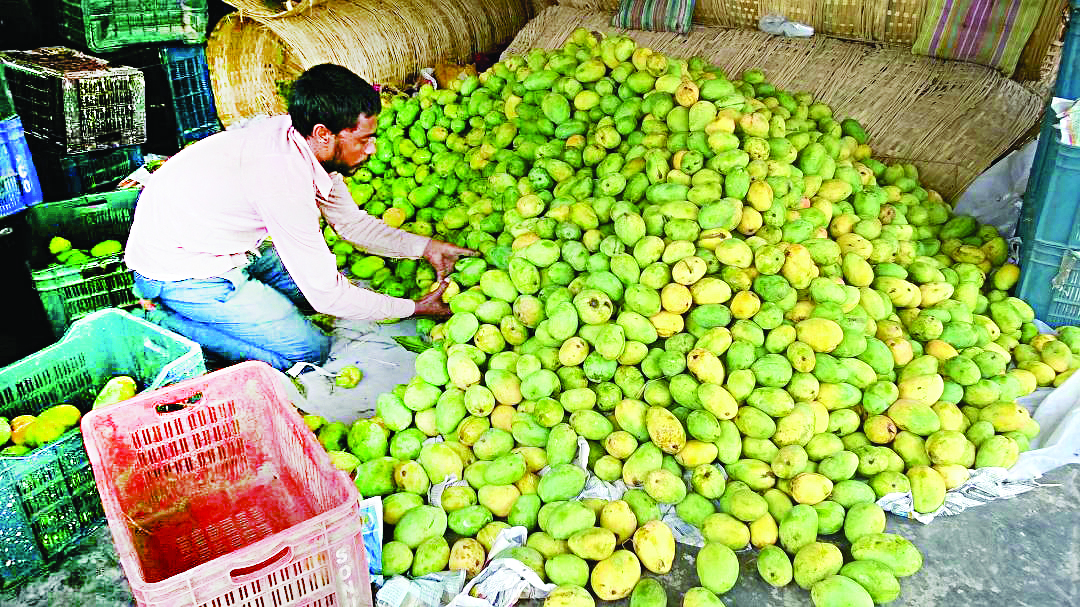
(321, 133)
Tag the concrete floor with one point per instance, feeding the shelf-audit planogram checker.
(1022, 552)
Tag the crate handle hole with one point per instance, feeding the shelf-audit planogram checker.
(242, 575)
(180, 404)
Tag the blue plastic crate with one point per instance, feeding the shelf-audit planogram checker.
(48, 499)
(11, 200)
(192, 96)
(1051, 212)
(1025, 228)
(180, 105)
(14, 139)
(1068, 79)
(1050, 282)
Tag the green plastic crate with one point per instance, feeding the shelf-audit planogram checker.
(69, 292)
(48, 499)
(104, 25)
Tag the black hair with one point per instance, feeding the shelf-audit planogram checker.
(331, 95)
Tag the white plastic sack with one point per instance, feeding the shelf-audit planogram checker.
(371, 347)
(996, 196)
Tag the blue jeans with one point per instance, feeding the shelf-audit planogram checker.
(249, 313)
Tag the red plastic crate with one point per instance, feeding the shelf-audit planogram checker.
(218, 495)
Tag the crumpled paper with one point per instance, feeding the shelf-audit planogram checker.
(503, 581)
(1068, 115)
(431, 590)
(778, 25)
(985, 485)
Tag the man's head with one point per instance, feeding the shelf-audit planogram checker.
(336, 111)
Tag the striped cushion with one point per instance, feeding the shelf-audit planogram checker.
(655, 15)
(989, 32)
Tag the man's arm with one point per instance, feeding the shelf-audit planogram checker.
(372, 235)
(367, 232)
(284, 201)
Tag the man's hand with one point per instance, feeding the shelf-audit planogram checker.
(432, 303)
(443, 256)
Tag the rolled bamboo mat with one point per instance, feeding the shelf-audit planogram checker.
(1048, 31)
(895, 21)
(889, 21)
(385, 42)
(950, 119)
(246, 62)
(274, 9)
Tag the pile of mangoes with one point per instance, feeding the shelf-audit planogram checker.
(24, 433)
(714, 285)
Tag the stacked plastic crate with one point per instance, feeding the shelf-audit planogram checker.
(180, 106)
(1049, 225)
(140, 69)
(164, 40)
(72, 104)
(85, 119)
(78, 111)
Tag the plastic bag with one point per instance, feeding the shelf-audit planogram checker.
(996, 196)
(778, 25)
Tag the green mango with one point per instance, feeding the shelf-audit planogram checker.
(431, 556)
(566, 519)
(774, 566)
(567, 569)
(561, 482)
(717, 567)
(863, 519)
(376, 476)
(837, 591)
(798, 528)
(815, 562)
(893, 551)
(468, 521)
(875, 578)
(420, 524)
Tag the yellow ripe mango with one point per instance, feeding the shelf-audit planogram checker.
(940, 350)
(676, 298)
(799, 267)
(821, 334)
(667, 323)
(705, 366)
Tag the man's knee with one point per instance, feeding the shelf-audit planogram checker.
(312, 347)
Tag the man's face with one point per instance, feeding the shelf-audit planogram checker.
(352, 146)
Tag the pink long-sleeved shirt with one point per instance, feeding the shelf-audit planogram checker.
(205, 208)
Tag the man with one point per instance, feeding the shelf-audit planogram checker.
(198, 243)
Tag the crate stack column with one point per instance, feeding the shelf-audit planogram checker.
(1049, 226)
(76, 110)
